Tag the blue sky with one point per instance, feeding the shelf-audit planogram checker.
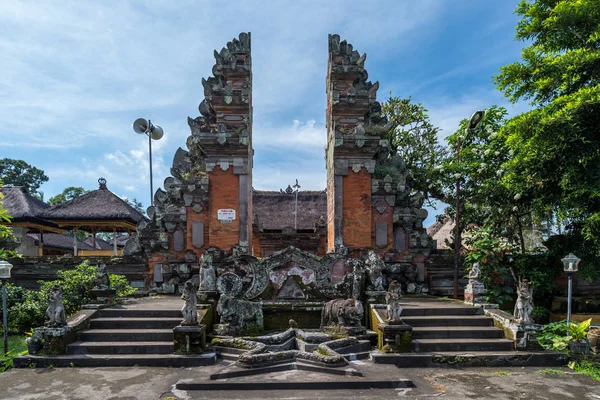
(76, 74)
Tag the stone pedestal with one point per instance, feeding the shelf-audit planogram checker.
(50, 341)
(104, 296)
(395, 338)
(474, 292)
(342, 330)
(190, 339)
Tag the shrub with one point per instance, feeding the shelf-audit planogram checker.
(121, 285)
(28, 308)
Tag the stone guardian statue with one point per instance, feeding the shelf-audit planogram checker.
(102, 281)
(190, 314)
(56, 311)
(524, 304)
(392, 299)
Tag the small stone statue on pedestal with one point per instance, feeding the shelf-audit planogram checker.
(392, 299)
(102, 292)
(190, 314)
(475, 289)
(102, 281)
(190, 336)
(524, 304)
(346, 314)
(56, 311)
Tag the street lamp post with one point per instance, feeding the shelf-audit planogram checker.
(5, 268)
(297, 187)
(570, 266)
(473, 123)
(155, 132)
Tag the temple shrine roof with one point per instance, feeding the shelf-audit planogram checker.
(275, 210)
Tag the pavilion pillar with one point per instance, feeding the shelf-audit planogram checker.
(75, 242)
(114, 241)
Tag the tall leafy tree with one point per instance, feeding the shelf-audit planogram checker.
(68, 194)
(414, 137)
(556, 145)
(19, 173)
(486, 199)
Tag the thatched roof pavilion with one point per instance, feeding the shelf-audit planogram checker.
(97, 211)
(26, 210)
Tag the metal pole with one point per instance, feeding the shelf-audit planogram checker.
(75, 242)
(457, 236)
(569, 301)
(150, 152)
(4, 317)
(115, 241)
(296, 216)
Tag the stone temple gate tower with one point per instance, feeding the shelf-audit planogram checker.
(206, 205)
(370, 203)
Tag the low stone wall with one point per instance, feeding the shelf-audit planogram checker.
(523, 334)
(27, 271)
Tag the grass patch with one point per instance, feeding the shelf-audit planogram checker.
(502, 373)
(589, 368)
(550, 371)
(16, 347)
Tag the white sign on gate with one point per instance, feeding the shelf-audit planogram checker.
(226, 215)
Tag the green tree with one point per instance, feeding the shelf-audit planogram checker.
(19, 173)
(68, 194)
(8, 241)
(415, 138)
(556, 145)
(486, 198)
(137, 205)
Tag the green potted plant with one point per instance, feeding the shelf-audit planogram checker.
(579, 343)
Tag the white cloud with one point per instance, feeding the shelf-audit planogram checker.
(77, 75)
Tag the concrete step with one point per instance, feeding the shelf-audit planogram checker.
(120, 348)
(127, 335)
(357, 356)
(457, 332)
(116, 360)
(435, 345)
(450, 320)
(137, 313)
(135, 323)
(474, 359)
(441, 311)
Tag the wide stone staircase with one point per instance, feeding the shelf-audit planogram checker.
(453, 328)
(447, 332)
(122, 336)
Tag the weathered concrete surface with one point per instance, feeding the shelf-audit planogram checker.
(156, 383)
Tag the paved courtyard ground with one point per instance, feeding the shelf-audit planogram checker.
(157, 383)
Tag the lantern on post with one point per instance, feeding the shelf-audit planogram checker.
(570, 266)
(5, 268)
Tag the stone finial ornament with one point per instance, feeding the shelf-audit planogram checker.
(392, 299)
(56, 311)
(524, 304)
(102, 281)
(190, 314)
